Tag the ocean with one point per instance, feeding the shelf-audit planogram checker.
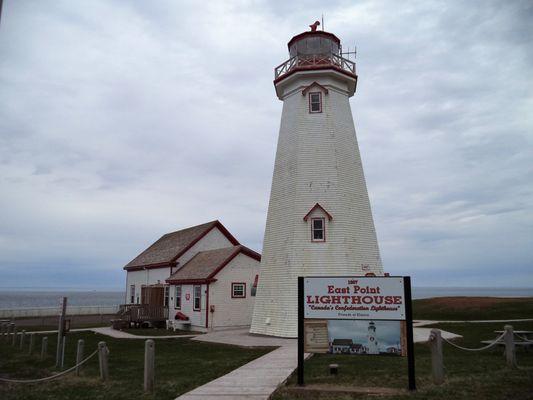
(26, 297)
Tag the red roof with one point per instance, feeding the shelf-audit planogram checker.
(302, 35)
(167, 249)
(204, 266)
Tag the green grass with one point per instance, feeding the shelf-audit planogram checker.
(480, 375)
(158, 332)
(181, 365)
(473, 308)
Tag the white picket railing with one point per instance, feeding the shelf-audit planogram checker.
(306, 62)
(53, 311)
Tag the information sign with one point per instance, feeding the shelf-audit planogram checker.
(355, 315)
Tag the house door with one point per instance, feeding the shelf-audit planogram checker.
(153, 295)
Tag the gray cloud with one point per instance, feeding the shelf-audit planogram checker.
(120, 121)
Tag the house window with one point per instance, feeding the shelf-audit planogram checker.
(315, 102)
(197, 297)
(177, 297)
(318, 230)
(132, 294)
(238, 290)
(167, 295)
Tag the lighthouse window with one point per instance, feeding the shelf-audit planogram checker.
(318, 230)
(315, 102)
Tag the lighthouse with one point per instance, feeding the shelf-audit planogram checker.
(372, 343)
(319, 220)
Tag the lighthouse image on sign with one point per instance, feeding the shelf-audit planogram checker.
(372, 343)
(319, 219)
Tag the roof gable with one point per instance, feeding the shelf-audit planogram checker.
(312, 85)
(317, 206)
(169, 247)
(205, 265)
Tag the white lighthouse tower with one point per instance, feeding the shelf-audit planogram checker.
(319, 218)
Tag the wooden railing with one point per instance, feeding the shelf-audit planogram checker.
(305, 62)
(142, 312)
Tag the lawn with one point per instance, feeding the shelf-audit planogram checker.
(473, 308)
(158, 332)
(181, 365)
(480, 375)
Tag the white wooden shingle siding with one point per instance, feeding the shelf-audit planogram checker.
(228, 311)
(233, 311)
(197, 318)
(317, 161)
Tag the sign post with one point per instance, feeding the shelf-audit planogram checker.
(353, 315)
(409, 333)
(300, 331)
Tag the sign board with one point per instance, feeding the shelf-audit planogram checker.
(354, 298)
(316, 336)
(355, 315)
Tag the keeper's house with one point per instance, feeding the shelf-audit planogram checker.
(202, 274)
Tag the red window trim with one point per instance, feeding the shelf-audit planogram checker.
(320, 98)
(243, 292)
(193, 298)
(181, 293)
(323, 227)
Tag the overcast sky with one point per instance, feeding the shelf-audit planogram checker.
(123, 120)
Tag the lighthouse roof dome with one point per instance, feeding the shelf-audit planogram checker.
(314, 42)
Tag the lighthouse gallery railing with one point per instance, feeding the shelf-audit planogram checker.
(305, 62)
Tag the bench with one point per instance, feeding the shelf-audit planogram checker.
(179, 325)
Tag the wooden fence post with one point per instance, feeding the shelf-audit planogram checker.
(510, 354)
(32, 338)
(79, 356)
(102, 358)
(149, 365)
(44, 348)
(22, 337)
(10, 330)
(437, 362)
(14, 338)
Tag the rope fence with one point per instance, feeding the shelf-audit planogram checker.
(49, 378)
(492, 344)
(9, 334)
(507, 338)
(525, 339)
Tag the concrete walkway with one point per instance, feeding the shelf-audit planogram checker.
(124, 335)
(256, 380)
(242, 338)
(479, 321)
(107, 331)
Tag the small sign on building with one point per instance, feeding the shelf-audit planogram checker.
(355, 316)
